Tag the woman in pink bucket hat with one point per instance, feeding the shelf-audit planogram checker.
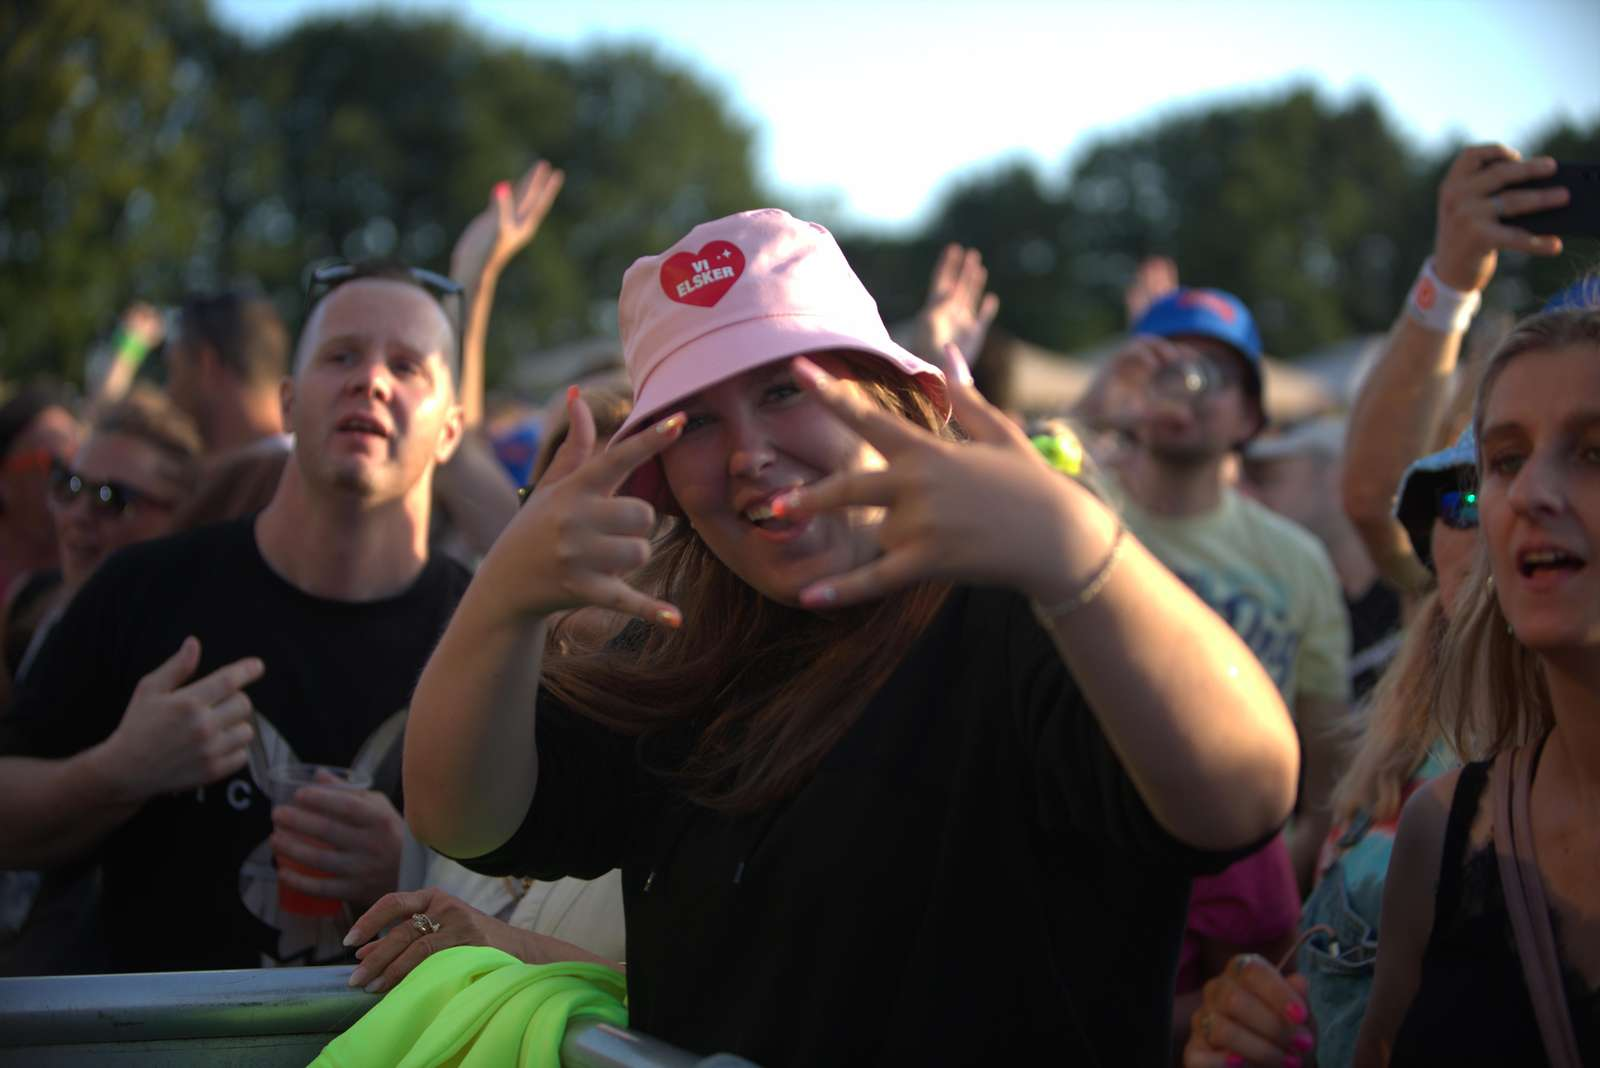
(909, 752)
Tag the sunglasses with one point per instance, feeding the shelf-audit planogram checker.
(108, 498)
(1458, 508)
(325, 279)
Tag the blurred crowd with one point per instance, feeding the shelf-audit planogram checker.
(880, 718)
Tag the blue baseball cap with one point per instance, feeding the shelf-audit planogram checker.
(517, 448)
(1212, 313)
(1455, 467)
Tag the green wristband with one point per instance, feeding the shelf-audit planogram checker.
(130, 349)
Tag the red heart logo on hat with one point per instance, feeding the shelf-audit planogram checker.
(701, 278)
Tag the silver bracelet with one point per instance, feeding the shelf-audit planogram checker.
(1049, 614)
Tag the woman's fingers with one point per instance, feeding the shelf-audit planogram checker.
(611, 469)
(1496, 175)
(386, 910)
(1514, 202)
(892, 571)
(842, 489)
(982, 420)
(888, 433)
(608, 591)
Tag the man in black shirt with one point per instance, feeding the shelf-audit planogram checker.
(188, 666)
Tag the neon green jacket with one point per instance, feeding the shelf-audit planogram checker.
(475, 1007)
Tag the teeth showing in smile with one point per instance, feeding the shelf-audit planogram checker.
(1547, 558)
(758, 512)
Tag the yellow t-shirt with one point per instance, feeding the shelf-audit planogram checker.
(1269, 578)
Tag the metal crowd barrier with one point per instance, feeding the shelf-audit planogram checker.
(259, 1018)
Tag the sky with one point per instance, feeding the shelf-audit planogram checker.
(865, 111)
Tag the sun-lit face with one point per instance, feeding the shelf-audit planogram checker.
(1208, 427)
(1539, 495)
(372, 404)
(89, 530)
(750, 439)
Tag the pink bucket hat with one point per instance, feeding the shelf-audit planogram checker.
(738, 293)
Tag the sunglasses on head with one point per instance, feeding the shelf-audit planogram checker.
(1458, 508)
(108, 498)
(321, 281)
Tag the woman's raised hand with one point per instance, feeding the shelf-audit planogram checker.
(989, 511)
(1477, 213)
(575, 539)
(1251, 1015)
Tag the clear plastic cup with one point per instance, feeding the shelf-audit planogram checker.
(1184, 381)
(283, 782)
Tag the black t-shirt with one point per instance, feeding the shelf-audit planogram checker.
(189, 880)
(1374, 636)
(970, 876)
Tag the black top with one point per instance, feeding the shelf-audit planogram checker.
(970, 877)
(1374, 636)
(1472, 1004)
(189, 882)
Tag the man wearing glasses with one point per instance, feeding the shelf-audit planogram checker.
(189, 668)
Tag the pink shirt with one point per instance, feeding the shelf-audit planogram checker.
(1253, 903)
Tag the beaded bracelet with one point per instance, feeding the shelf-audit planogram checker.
(1050, 613)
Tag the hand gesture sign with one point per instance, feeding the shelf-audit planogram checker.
(1476, 211)
(178, 734)
(952, 509)
(577, 537)
(957, 312)
(507, 225)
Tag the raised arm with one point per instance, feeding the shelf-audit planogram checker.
(490, 241)
(470, 761)
(1396, 414)
(1157, 666)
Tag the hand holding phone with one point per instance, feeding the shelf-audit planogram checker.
(1579, 217)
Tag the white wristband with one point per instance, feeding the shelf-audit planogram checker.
(1438, 306)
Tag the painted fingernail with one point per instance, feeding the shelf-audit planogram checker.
(352, 938)
(358, 977)
(669, 617)
(819, 596)
(783, 503)
(1296, 1012)
(1303, 1041)
(670, 424)
(502, 190)
(572, 394)
(1291, 1061)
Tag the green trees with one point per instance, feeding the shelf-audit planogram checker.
(145, 150)
(144, 155)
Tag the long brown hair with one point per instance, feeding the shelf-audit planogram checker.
(1394, 735)
(768, 689)
(1491, 693)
